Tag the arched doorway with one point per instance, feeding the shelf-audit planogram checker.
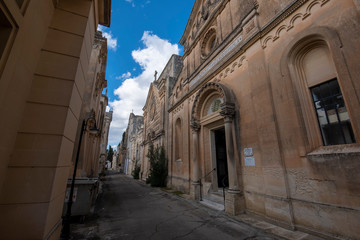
(212, 123)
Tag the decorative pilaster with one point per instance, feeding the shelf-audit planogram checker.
(228, 112)
(234, 203)
(195, 186)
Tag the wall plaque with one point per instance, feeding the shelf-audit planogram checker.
(248, 151)
(249, 161)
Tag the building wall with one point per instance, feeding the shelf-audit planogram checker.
(133, 136)
(156, 118)
(104, 137)
(93, 105)
(289, 177)
(43, 68)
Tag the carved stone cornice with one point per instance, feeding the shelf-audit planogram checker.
(199, 20)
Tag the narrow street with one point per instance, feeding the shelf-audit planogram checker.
(130, 209)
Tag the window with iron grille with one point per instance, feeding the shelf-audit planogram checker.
(333, 117)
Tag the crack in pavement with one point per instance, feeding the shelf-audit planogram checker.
(158, 224)
(191, 231)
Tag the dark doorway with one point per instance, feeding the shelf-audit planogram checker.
(221, 159)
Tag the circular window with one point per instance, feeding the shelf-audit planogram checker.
(209, 43)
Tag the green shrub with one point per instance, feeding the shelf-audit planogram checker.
(158, 167)
(136, 171)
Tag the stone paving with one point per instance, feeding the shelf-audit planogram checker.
(130, 209)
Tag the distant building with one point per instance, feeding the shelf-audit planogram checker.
(132, 148)
(156, 117)
(115, 164)
(122, 152)
(104, 137)
(45, 51)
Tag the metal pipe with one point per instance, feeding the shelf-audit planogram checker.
(65, 231)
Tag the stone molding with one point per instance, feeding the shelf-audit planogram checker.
(265, 35)
(199, 21)
(280, 24)
(222, 90)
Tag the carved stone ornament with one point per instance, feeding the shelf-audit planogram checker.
(195, 126)
(207, 7)
(227, 110)
(99, 85)
(205, 10)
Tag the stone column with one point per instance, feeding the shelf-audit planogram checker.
(195, 185)
(234, 202)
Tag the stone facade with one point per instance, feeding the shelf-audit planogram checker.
(93, 146)
(122, 150)
(104, 137)
(115, 164)
(156, 118)
(45, 54)
(267, 104)
(132, 147)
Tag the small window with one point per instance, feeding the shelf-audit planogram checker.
(333, 117)
(178, 140)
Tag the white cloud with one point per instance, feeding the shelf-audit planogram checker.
(123, 76)
(132, 2)
(111, 40)
(133, 91)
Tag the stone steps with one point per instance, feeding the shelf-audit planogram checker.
(214, 200)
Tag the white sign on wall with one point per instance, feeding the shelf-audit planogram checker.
(248, 151)
(249, 158)
(249, 161)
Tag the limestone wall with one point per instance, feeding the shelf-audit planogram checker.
(42, 82)
(285, 172)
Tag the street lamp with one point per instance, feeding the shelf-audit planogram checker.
(65, 231)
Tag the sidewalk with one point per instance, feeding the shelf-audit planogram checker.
(254, 221)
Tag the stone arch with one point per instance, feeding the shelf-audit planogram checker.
(315, 37)
(209, 42)
(224, 92)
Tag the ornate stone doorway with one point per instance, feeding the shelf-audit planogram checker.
(212, 117)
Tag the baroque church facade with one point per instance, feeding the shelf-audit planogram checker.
(266, 106)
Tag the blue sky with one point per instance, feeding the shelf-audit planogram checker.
(142, 37)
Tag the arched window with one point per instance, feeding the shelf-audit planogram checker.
(212, 104)
(319, 90)
(178, 140)
(209, 43)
